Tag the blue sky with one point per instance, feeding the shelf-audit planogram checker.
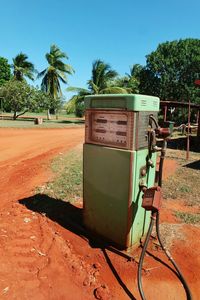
(119, 32)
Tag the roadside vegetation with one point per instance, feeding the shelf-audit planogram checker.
(169, 73)
(30, 123)
(19, 97)
(183, 185)
(67, 182)
(189, 218)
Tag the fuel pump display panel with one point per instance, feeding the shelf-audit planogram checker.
(110, 128)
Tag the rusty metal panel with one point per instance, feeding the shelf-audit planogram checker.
(142, 124)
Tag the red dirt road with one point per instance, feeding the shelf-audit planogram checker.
(25, 154)
(40, 259)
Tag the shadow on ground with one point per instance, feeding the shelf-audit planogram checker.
(63, 213)
(70, 217)
(194, 165)
(72, 122)
(181, 143)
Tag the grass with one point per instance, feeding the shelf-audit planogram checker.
(61, 114)
(184, 183)
(188, 218)
(67, 183)
(29, 123)
(61, 120)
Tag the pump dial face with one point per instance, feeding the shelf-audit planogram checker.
(110, 128)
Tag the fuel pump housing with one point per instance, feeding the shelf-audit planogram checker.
(117, 164)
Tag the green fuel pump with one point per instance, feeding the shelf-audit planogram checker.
(121, 202)
(117, 165)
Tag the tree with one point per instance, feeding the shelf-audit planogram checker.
(22, 67)
(19, 97)
(102, 77)
(55, 72)
(171, 70)
(46, 101)
(102, 82)
(5, 73)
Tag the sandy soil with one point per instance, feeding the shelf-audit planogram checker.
(40, 258)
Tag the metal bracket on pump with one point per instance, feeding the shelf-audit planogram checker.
(152, 199)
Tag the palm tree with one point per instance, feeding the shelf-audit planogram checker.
(55, 72)
(102, 76)
(22, 67)
(135, 71)
(102, 82)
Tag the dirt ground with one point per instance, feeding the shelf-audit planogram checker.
(42, 259)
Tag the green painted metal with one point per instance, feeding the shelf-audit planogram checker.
(141, 218)
(132, 102)
(112, 177)
(112, 206)
(106, 192)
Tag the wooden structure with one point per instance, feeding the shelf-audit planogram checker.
(169, 104)
(173, 104)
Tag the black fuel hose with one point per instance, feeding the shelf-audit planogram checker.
(139, 274)
(180, 275)
(156, 215)
(154, 120)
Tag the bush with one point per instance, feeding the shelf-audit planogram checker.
(80, 110)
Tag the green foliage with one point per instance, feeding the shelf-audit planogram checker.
(22, 67)
(102, 82)
(171, 70)
(19, 97)
(5, 73)
(127, 84)
(76, 101)
(80, 109)
(102, 75)
(46, 101)
(55, 72)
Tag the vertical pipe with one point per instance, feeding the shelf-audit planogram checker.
(198, 122)
(188, 132)
(165, 113)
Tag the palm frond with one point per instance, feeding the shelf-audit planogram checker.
(42, 73)
(77, 90)
(114, 90)
(101, 75)
(23, 67)
(56, 72)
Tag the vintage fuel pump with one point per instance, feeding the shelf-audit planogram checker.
(120, 195)
(117, 165)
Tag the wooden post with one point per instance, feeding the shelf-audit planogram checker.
(165, 113)
(188, 133)
(198, 122)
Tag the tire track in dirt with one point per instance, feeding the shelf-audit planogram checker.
(32, 255)
(20, 239)
(35, 261)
